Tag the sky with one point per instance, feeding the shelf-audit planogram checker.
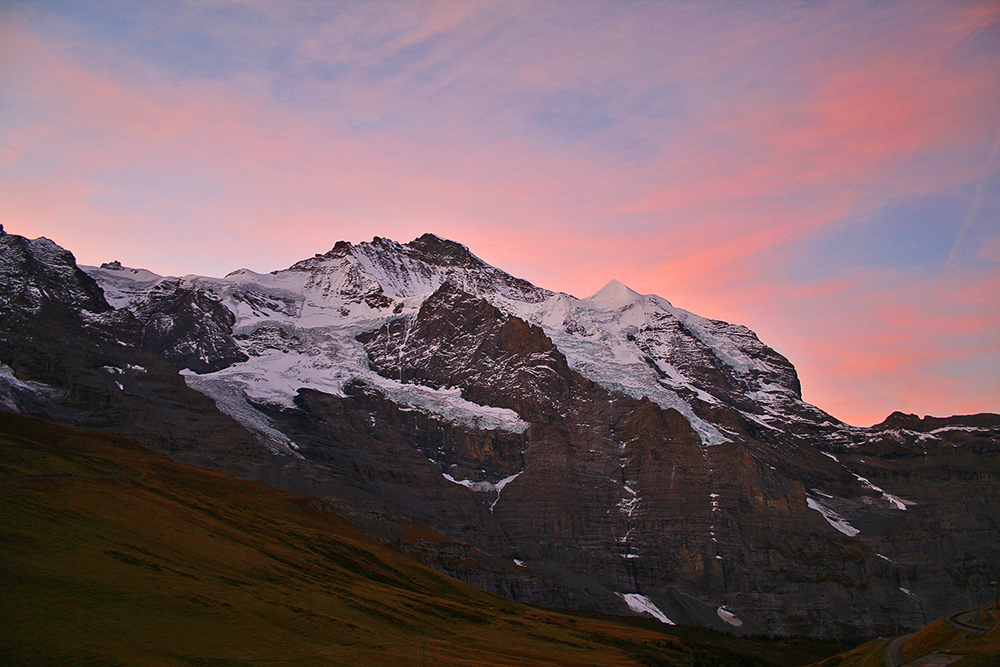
(824, 172)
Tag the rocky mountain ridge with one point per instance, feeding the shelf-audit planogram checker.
(613, 453)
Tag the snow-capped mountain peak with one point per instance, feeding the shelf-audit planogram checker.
(637, 344)
(615, 295)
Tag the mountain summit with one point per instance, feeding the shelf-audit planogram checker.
(614, 453)
(615, 295)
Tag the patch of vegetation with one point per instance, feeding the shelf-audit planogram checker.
(869, 654)
(709, 645)
(972, 650)
(935, 634)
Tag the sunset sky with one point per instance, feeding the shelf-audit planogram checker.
(827, 173)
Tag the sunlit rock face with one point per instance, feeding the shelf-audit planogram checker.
(613, 453)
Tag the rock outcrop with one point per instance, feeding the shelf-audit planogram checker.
(67, 355)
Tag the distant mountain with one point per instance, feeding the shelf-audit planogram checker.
(613, 453)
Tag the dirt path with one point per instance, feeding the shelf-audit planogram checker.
(893, 655)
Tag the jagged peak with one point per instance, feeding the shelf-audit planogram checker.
(410, 269)
(442, 251)
(238, 273)
(43, 250)
(431, 238)
(340, 248)
(428, 247)
(45, 263)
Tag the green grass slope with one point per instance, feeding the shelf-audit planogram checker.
(113, 555)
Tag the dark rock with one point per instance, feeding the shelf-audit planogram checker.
(59, 331)
(190, 328)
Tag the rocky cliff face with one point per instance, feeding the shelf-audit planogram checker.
(67, 355)
(613, 453)
(624, 491)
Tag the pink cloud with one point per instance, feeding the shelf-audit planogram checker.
(881, 340)
(203, 175)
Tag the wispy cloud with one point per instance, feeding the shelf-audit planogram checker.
(813, 170)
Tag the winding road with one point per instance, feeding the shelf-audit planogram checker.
(893, 652)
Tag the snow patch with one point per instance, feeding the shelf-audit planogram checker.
(231, 398)
(729, 617)
(896, 501)
(967, 429)
(628, 505)
(483, 486)
(641, 604)
(832, 518)
(11, 387)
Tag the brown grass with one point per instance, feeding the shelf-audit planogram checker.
(935, 635)
(981, 650)
(867, 655)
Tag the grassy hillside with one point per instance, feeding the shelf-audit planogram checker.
(939, 643)
(112, 555)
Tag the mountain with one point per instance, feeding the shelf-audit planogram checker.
(612, 453)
